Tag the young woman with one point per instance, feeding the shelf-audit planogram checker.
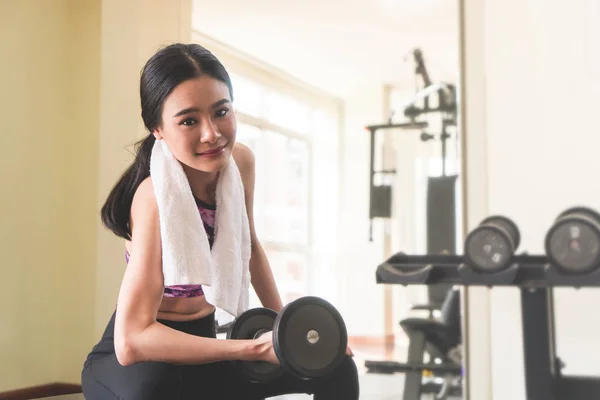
(160, 342)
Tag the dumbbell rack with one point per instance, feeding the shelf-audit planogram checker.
(536, 277)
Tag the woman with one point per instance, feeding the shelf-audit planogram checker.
(160, 343)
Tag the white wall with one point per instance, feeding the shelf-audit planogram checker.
(361, 298)
(542, 83)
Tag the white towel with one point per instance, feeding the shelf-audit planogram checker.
(186, 254)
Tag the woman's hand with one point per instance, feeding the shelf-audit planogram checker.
(266, 352)
(264, 348)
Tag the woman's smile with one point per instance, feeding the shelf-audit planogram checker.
(212, 152)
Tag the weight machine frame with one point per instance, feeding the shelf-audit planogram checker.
(536, 277)
(380, 199)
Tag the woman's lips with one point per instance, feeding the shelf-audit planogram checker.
(213, 152)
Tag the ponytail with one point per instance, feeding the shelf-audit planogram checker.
(116, 211)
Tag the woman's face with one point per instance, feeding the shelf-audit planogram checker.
(198, 124)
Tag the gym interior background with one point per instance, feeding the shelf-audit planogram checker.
(310, 78)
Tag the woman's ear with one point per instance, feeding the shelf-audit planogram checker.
(157, 134)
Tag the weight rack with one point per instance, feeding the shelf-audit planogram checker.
(536, 277)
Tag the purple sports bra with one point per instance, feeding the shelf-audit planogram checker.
(207, 213)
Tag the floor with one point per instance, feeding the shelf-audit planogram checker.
(372, 386)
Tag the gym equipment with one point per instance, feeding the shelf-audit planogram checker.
(380, 199)
(309, 339)
(446, 93)
(491, 245)
(250, 325)
(536, 276)
(441, 227)
(573, 241)
(439, 341)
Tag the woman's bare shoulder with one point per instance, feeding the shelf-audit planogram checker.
(243, 156)
(145, 192)
(144, 206)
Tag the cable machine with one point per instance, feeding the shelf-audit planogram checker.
(380, 199)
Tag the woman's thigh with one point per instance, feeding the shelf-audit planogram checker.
(221, 380)
(146, 380)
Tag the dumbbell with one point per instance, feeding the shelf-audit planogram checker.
(490, 246)
(573, 241)
(309, 339)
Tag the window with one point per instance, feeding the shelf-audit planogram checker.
(283, 130)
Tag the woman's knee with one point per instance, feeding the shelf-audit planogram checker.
(346, 377)
(348, 369)
(342, 384)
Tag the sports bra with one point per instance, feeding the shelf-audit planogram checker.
(207, 213)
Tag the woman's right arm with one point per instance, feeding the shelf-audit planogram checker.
(138, 336)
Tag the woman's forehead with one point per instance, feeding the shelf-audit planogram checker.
(200, 92)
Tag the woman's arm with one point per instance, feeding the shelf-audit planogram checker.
(138, 336)
(263, 280)
(260, 270)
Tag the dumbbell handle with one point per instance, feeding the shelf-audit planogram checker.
(261, 332)
(312, 336)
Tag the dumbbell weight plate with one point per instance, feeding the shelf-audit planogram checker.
(310, 338)
(508, 225)
(491, 245)
(246, 326)
(573, 242)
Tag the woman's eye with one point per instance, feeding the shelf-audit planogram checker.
(222, 112)
(188, 122)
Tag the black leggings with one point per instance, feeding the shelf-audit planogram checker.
(103, 378)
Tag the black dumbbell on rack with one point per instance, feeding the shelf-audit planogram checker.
(309, 339)
(573, 241)
(492, 244)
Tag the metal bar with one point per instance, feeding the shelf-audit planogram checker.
(424, 93)
(554, 361)
(527, 271)
(443, 137)
(392, 366)
(413, 380)
(371, 177)
(539, 382)
(405, 125)
(578, 388)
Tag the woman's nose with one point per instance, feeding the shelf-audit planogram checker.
(209, 133)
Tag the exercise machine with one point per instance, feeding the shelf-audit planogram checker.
(380, 200)
(571, 259)
(439, 341)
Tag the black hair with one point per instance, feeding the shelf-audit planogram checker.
(166, 69)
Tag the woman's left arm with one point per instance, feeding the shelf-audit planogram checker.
(260, 271)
